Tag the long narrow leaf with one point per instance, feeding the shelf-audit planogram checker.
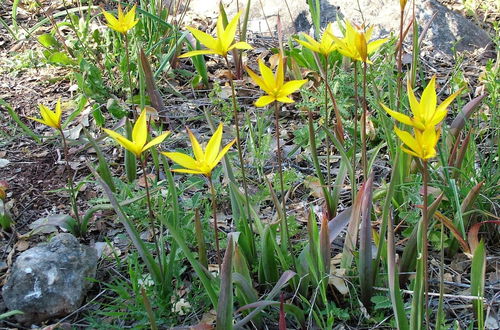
(365, 245)
(225, 306)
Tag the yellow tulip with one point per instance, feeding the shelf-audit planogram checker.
(325, 46)
(139, 136)
(124, 22)
(426, 113)
(355, 43)
(50, 118)
(273, 84)
(220, 45)
(423, 145)
(204, 161)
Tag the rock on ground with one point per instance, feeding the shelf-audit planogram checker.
(447, 30)
(50, 280)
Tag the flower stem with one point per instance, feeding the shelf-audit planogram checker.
(280, 171)
(355, 132)
(327, 124)
(127, 57)
(364, 159)
(71, 185)
(400, 63)
(240, 153)
(216, 231)
(425, 226)
(151, 213)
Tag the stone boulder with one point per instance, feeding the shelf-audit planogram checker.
(50, 280)
(446, 30)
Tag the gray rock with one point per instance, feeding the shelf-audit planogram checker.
(447, 29)
(49, 280)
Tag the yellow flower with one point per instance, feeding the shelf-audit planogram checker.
(124, 22)
(204, 161)
(425, 113)
(325, 46)
(224, 42)
(355, 43)
(273, 84)
(139, 136)
(423, 145)
(50, 118)
(402, 3)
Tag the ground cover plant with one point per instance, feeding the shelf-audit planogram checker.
(321, 183)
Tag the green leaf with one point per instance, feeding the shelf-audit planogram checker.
(49, 41)
(60, 58)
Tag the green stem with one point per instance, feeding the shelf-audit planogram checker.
(151, 213)
(400, 63)
(425, 226)
(71, 185)
(216, 231)
(327, 124)
(280, 172)
(355, 133)
(127, 57)
(364, 159)
(240, 152)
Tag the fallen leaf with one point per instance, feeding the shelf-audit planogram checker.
(22, 245)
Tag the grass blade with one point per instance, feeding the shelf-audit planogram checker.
(365, 245)
(478, 269)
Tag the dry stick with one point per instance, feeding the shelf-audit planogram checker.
(214, 211)
(363, 127)
(70, 182)
(425, 225)
(240, 154)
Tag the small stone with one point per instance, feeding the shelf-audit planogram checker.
(50, 280)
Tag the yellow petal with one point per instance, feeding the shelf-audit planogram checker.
(157, 140)
(267, 75)
(127, 144)
(398, 116)
(182, 170)
(408, 151)
(140, 130)
(428, 101)
(197, 150)
(280, 74)
(408, 139)
(222, 153)
(58, 110)
(284, 99)
(264, 100)
(197, 52)
(183, 160)
(213, 145)
(204, 38)
(227, 37)
(38, 120)
(374, 45)
(291, 86)
(112, 21)
(444, 105)
(258, 80)
(414, 104)
(240, 45)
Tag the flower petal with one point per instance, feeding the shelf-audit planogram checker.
(444, 105)
(414, 104)
(398, 116)
(428, 101)
(140, 130)
(183, 160)
(409, 140)
(227, 36)
(157, 140)
(222, 153)
(291, 86)
(195, 145)
(213, 146)
(204, 38)
(374, 45)
(264, 100)
(258, 80)
(240, 45)
(183, 170)
(267, 75)
(127, 144)
(198, 52)
(284, 99)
